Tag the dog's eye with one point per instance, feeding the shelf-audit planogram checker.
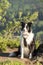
(29, 24)
(26, 26)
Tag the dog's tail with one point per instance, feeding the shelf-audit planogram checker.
(16, 53)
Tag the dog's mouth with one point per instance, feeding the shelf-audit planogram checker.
(25, 35)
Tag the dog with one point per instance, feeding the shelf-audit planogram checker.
(27, 43)
(27, 40)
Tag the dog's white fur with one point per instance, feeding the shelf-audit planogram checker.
(30, 38)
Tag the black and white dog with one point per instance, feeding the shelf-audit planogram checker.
(27, 40)
(27, 44)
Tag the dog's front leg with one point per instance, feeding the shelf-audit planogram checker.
(22, 48)
(22, 53)
(30, 56)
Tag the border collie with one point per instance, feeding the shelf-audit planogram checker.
(27, 44)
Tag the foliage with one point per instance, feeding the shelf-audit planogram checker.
(39, 36)
(4, 5)
(30, 17)
(39, 39)
(40, 24)
(5, 43)
(13, 42)
(37, 43)
(12, 13)
(33, 16)
(8, 62)
(12, 25)
(38, 63)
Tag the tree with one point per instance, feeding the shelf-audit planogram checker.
(4, 5)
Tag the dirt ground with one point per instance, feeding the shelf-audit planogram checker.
(5, 55)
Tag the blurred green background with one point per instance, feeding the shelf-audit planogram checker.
(12, 12)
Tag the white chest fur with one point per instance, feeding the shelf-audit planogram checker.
(29, 39)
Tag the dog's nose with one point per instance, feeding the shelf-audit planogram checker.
(25, 29)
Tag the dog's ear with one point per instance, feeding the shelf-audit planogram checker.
(22, 25)
(29, 24)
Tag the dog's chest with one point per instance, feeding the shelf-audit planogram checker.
(28, 40)
(24, 42)
(26, 51)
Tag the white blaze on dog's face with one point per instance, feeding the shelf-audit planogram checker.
(26, 28)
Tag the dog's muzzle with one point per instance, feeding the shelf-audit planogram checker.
(25, 35)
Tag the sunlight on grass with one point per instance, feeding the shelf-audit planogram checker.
(8, 62)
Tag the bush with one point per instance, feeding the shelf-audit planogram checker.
(3, 44)
(39, 39)
(37, 43)
(12, 43)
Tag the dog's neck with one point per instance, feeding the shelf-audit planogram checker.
(28, 33)
(29, 38)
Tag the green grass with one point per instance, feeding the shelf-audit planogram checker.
(8, 62)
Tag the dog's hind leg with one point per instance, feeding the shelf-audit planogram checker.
(32, 47)
(22, 53)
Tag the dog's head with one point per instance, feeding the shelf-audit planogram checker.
(26, 28)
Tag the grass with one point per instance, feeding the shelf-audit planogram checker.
(8, 62)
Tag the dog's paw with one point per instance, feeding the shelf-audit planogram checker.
(21, 57)
(30, 56)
